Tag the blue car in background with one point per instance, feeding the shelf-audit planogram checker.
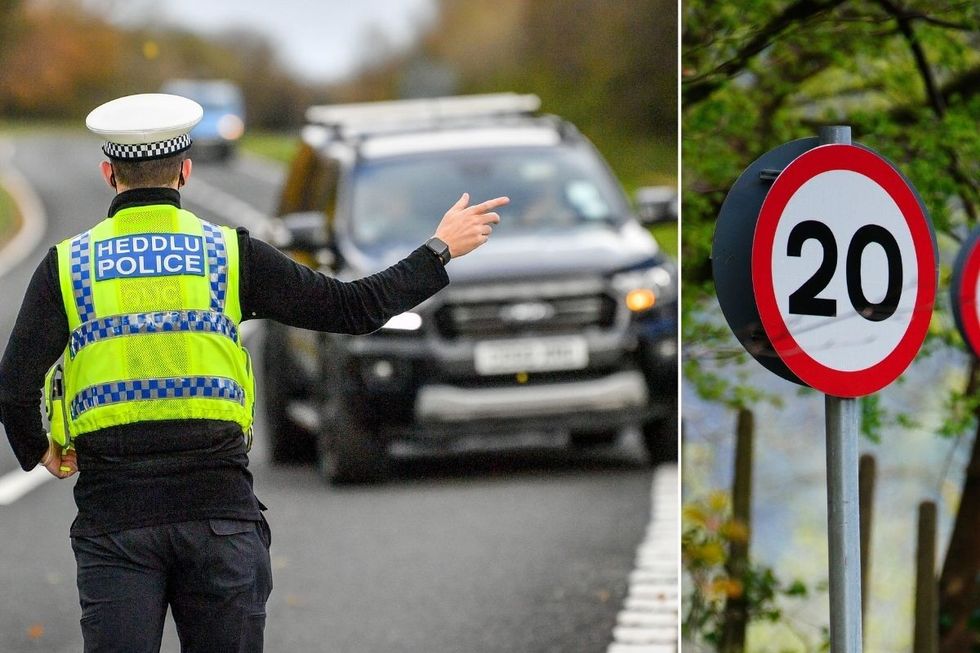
(224, 114)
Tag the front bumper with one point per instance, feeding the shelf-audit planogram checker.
(619, 393)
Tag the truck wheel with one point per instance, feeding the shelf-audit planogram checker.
(290, 442)
(660, 439)
(351, 448)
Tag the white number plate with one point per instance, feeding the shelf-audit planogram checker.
(531, 355)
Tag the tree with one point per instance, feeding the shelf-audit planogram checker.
(60, 59)
(609, 67)
(905, 74)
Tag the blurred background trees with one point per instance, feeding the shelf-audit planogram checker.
(608, 66)
(60, 59)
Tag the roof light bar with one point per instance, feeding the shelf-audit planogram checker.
(372, 116)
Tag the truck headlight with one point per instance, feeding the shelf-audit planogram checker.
(407, 321)
(642, 289)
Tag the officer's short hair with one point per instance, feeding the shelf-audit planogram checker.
(154, 173)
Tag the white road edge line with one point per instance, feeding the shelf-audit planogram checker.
(34, 220)
(258, 168)
(230, 208)
(15, 484)
(649, 621)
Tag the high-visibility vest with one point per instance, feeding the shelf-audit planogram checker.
(151, 296)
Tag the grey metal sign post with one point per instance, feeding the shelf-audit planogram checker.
(843, 420)
(843, 523)
(825, 266)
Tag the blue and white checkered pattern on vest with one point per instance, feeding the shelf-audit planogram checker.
(214, 243)
(160, 322)
(93, 329)
(81, 276)
(165, 388)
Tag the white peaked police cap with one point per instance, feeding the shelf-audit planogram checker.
(145, 126)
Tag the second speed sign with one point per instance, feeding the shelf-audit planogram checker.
(843, 270)
(965, 291)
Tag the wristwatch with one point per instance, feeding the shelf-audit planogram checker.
(440, 249)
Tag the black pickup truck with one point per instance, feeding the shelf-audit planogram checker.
(564, 325)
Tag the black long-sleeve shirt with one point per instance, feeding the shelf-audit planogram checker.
(167, 471)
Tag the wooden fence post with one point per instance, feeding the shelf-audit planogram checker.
(867, 476)
(736, 608)
(926, 638)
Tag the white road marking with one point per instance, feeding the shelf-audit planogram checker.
(259, 168)
(650, 621)
(228, 207)
(33, 218)
(15, 484)
(642, 648)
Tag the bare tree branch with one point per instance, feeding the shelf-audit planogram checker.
(700, 87)
(939, 22)
(936, 99)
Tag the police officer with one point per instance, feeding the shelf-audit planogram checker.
(145, 310)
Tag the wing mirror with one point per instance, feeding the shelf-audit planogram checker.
(305, 233)
(656, 204)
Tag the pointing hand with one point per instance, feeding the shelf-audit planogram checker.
(464, 228)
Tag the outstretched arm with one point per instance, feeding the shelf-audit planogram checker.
(276, 287)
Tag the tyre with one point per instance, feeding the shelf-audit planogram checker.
(350, 447)
(660, 439)
(351, 450)
(282, 382)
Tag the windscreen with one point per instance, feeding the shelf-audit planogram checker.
(551, 189)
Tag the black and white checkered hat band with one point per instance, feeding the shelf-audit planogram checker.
(147, 151)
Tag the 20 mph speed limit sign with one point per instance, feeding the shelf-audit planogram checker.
(843, 270)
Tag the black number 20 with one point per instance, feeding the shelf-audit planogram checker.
(804, 300)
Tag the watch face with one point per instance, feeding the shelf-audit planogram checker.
(439, 248)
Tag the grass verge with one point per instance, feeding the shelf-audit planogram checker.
(666, 235)
(277, 146)
(9, 217)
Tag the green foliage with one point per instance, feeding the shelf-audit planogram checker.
(754, 75)
(709, 536)
(960, 412)
(875, 419)
(666, 235)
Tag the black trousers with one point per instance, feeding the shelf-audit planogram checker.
(214, 574)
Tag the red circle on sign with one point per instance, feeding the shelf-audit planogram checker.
(968, 297)
(842, 383)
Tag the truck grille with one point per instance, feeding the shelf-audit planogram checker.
(525, 315)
